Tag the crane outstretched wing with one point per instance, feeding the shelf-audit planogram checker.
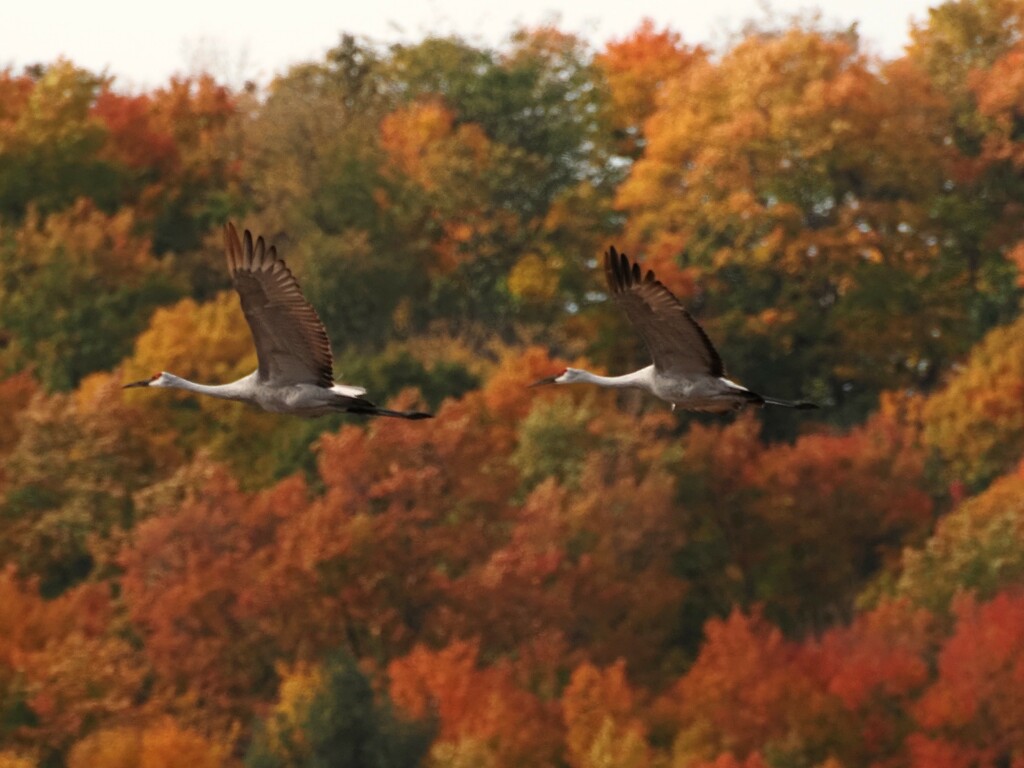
(675, 340)
(291, 344)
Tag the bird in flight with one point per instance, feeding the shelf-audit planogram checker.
(687, 371)
(295, 371)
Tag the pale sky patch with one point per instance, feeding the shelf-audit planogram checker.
(143, 44)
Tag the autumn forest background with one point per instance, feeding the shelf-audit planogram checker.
(561, 577)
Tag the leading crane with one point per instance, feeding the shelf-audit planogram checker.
(295, 372)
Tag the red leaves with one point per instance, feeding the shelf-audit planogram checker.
(882, 653)
(981, 673)
(137, 139)
(746, 688)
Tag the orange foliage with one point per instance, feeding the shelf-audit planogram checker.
(867, 483)
(744, 688)
(926, 752)
(474, 704)
(193, 585)
(977, 697)
(603, 726)
(10, 759)
(420, 140)
(1000, 94)
(449, 162)
(882, 653)
(14, 95)
(62, 659)
(870, 672)
(220, 582)
(195, 110)
(638, 67)
(28, 622)
(15, 393)
(78, 461)
(727, 760)
(721, 133)
(162, 744)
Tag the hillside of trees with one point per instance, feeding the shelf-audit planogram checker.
(562, 577)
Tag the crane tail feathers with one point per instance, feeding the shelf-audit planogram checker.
(802, 405)
(364, 407)
(373, 410)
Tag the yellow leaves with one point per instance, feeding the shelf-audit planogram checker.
(297, 692)
(80, 680)
(975, 422)
(56, 112)
(603, 727)
(110, 748)
(977, 547)
(532, 279)
(205, 342)
(409, 135)
(105, 248)
(1016, 257)
(733, 143)
(9, 759)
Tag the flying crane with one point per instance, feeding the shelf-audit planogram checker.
(687, 371)
(295, 371)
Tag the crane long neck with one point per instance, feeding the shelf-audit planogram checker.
(236, 390)
(641, 379)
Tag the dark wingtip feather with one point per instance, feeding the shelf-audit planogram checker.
(258, 251)
(611, 270)
(231, 247)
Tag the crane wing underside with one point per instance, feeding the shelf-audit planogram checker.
(675, 340)
(291, 344)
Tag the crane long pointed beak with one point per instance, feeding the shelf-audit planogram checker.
(143, 383)
(546, 380)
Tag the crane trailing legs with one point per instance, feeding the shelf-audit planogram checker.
(687, 370)
(295, 372)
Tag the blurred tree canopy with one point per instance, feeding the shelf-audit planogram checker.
(577, 577)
